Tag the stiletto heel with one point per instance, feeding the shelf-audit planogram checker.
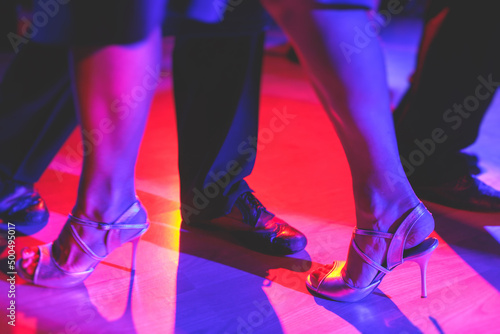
(422, 262)
(79, 245)
(329, 281)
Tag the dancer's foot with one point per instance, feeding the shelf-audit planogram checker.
(258, 229)
(466, 192)
(22, 205)
(81, 245)
(373, 253)
(357, 273)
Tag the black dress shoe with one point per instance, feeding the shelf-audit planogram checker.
(22, 205)
(258, 229)
(465, 192)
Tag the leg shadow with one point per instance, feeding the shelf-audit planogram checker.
(215, 294)
(465, 232)
(374, 314)
(46, 310)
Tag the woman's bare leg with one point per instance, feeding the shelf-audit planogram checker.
(114, 87)
(354, 92)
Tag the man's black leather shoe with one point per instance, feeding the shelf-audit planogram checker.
(466, 193)
(258, 229)
(23, 206)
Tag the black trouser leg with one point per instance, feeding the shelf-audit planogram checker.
(36, 111)
(217, 83)
(8, 23)
(456, 77)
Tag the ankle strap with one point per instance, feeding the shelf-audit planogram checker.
(371, 233)
(368, 259)
(397, 245)
(117, 224)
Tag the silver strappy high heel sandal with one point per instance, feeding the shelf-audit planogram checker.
(83, 243)
(330, 282)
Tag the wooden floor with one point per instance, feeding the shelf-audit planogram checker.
(190, 281)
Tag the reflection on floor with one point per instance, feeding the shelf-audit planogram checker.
(191, 281)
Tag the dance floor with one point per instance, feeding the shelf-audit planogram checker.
(193, 281)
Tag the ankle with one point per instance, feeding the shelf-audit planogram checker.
(104, 207)
(387, 218)
(384, 213)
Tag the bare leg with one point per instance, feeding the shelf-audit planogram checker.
(113, 85)
(106, 80)
(356, 96)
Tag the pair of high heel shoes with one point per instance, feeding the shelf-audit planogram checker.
(331, 281)
(84, 243)
(80, 247)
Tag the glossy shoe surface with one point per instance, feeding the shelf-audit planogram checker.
(258, 229)
(80, 247)
(330, 281)
(23, 206)
(466, 193)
